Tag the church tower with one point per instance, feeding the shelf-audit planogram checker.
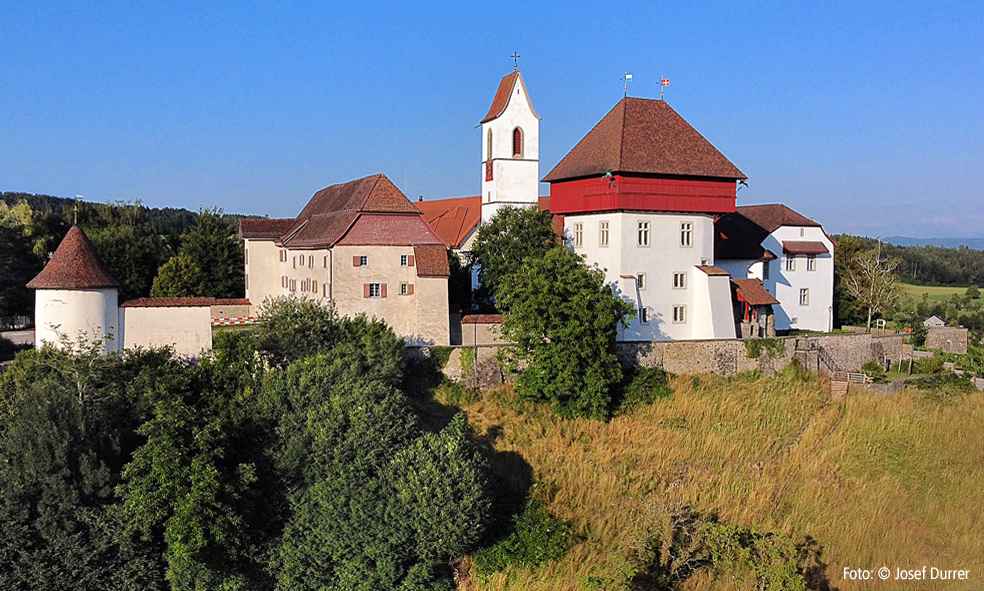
(510, 149)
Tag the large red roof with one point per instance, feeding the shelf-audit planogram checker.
(644, 136)
(390, 230)
(774, 215)
(75, 264)
(452, 219)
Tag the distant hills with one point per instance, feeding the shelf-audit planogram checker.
(975, 243)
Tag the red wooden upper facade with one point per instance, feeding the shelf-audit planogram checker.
(631, 193)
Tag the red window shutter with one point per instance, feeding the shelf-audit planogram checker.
(382, 290)
(410, 289)
(365, 290)
(410, 260)
(517, 142)
(355, 261)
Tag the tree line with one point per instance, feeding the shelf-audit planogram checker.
(930, 265)
(160, 252)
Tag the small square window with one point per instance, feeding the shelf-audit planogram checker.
(686, 234)
(404, 260)
(578, 235)
(375, 290)
(679, 314)
(790, 262)
(404, 288)
(602, 233)
(640, 281)
(679, 281)
(804, 297)
(811, 262)
(363, 261)
(643, 315)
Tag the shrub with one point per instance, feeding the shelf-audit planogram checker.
(641, 386)
(875, 371)
(538, 537)
(755, 347)
(928, 365)
(944, 387)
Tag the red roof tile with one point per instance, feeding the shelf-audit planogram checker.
(804, 247)
(390, 230)
(452, 219)
(432, 260)
(644, 136)
(770, 217)
(75, 264)
(263, 228)
(482, 319)
(502, 96)
(753, 292)
(712, 271)
(183, 302)
(334, 209)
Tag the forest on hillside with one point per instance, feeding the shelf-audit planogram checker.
(932, 265)
(161, 252)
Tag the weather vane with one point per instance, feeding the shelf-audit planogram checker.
(515, 57)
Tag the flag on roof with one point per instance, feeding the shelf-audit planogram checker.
(628, 77)
(666, 81)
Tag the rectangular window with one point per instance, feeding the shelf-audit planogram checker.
(326, 262)
(686, 234)
(640, 281)
(643, 234)
(324, 290)
(310, 261)
(765, 270)
(360, 261)
(679, 314)
(679, 281)
(404, 260)
(578, 235)
(602, 233)
(643, 315)
(790, 262)
(283, 256)
(406, 288)
(247, 282)
(293, 285)
(293, 261)
(811, 262)
(375, 290)
(804, 296)
(246, 257)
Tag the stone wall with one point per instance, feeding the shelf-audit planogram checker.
(949, 339)
(840, 352)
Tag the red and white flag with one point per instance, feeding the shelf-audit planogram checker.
(666, 81)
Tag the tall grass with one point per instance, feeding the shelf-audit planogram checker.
(877, 481)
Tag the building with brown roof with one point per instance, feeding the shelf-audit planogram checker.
(362, 247)
(792, 256)
(76, 297)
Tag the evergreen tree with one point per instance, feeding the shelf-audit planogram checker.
(218, 253)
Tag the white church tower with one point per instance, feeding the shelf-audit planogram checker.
(510, 149)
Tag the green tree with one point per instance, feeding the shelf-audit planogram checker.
(871, 281)
(972, 293)
(845, 305)
(179, 277)
(560, 318)
(18, 265)
(504, 241)
(132, 253)
(215, 248)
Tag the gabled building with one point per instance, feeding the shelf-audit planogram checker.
(792, 256)
(639, 196)
(362, 247)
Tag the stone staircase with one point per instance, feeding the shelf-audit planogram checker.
(840, 382)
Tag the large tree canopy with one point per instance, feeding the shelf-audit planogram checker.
(214, 247)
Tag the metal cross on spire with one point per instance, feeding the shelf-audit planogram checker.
(515, 57)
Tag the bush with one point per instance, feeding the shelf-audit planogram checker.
(641, 386)
(755, 347)
(944, 387)
(927, 365)
(875, 371)
(538, 537)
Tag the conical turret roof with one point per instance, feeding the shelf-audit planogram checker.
(75, 265)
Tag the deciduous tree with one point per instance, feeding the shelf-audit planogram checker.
(871, 281)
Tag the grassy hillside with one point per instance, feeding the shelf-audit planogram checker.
(874, 480)
(936, 294)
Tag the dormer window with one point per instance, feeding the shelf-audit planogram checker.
(518, 142)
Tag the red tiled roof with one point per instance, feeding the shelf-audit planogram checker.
(432, 260)
(804, 247)
(753, 292)
(774, 215)
(452, 219)
(501, 100)
(644, 136)
(389, 230)
(75, 264)
(263, 228)
(482, 319)
(334, 209)
(712, 271)
(183, 302)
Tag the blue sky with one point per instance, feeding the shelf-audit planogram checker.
(864, 116)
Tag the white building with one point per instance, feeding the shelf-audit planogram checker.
(638, 196)
(790, 253)
(76, 298)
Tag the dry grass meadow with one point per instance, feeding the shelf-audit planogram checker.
(876, 481)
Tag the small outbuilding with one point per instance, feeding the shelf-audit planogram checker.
(934, 321)
(754, 316)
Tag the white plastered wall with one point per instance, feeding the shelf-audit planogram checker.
(623, 259)
(187, 329)
(263, 270)
(713, 317)
(785, 285)
(90, 314)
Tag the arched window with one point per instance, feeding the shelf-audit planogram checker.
(489, 151)
(517, 142)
